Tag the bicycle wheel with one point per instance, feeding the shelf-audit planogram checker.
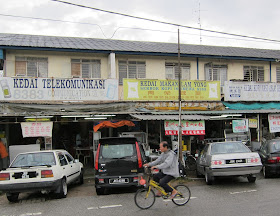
(184, 195)
(191, 163)
(144, 199)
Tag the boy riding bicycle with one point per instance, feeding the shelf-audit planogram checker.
(167, 162)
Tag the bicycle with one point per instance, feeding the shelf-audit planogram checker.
(145, 197)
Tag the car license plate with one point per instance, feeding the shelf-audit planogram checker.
(234, 161)
(119, 180)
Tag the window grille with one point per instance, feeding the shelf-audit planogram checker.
(31, 66)
(277, 74)
(85, 68)
(172, 71)
(253, 73)
(132, 70)
(216, 73)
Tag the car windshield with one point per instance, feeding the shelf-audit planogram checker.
(227, 148)
(34, 159)
(117, 151)
(274, 147)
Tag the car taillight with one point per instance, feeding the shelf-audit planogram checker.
(217, 162)
(101, 181)
(4, 176)
(135, 179)
(273, 160)
(96, 157)
(140, 164)
(46, 173)
(253, 160)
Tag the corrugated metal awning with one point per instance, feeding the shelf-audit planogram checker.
(168, 117)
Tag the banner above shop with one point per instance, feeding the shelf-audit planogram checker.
(58, 89)
(36, 129)
(188, 127)
(274, 123)
(251, 91)
(239, 126)
(167, 90)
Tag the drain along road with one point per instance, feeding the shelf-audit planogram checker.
(226, 197)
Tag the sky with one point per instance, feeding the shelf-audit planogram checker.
(255, 18)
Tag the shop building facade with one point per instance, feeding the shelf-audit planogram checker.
(72, 81)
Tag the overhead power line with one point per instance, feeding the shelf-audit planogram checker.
(127, 27)
(163, 22)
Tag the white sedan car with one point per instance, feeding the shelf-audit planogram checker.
(45, 171)
(231, 158)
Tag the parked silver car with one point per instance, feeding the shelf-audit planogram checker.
(231, 158)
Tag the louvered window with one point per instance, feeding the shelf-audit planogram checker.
(277, 74)
(132, 70)
(31, 66)
(216, 73)
(86, 68)
(253, 73)
(172, 71)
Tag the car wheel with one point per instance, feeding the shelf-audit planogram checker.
(266, 174)
(12, 197)
(81, 178)
(100, 191)
(209, 179)
(251, 178)
(62, 189)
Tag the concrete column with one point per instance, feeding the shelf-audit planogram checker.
(112, 73)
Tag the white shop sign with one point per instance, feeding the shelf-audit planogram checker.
(58, 89)
(251, 91)
(274, 123)
(36, 129)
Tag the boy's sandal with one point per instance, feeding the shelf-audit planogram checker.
(173, 196)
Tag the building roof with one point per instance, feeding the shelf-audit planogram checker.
(22, 41)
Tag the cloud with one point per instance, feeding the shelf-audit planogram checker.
(250, 17)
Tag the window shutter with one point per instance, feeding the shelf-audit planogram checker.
(75, 69)
(42, 69)
(132, 70)
(185, 73)
(260, 74)
(32, 69)
(122, 72)
(169, 72)
(96, 70)
(85, 71)
(223, 75)
(20, 68)
(277, 74)
(141, 70)
(247, 76)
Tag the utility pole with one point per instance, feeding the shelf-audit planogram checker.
(179, 101)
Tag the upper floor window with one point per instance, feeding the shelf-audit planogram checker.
(215, 72)
(86, 68)
(253, 73)
(131, 69)
(172, 71)
(32, 66)
(277, 74)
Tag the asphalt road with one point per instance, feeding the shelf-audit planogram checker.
(227, 197)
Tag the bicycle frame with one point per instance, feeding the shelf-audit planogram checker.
(154, 184)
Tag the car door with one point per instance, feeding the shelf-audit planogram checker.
(74, 167)
(202, 160)
(65, 167)
(264, 152)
